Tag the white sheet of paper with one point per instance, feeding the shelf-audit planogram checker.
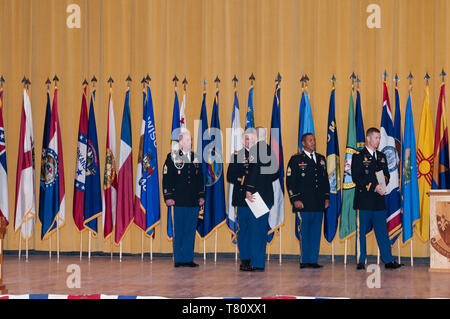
(258, 207)
(381, 180)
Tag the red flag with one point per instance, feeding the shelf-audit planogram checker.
(125, 213)
(80, 173)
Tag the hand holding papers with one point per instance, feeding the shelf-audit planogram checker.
(381, 187)
(257, 206)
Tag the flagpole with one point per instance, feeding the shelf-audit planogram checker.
(142, 245)
(378, 256)
(398, 249)
(345, 252)
(57, 240)
(120, 254)
(151, 248)
(89, 250)
(215, 247)
(20, 245)
(26, 240)
(204, 251)
(412, 261)
(50, 247)
(332, 252)
(81, 244)
(280, 245)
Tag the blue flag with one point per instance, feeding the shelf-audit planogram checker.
(276, 214)
(360, 133)
(174, 147)
(214, 214)
(305, 118)
(250, 118)
(334, 174)
(42, 216)
(149, 182)
(410, 183)
(93, 189)
(305, 125)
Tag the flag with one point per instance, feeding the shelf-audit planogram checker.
(80, 173)
(425, 153)
(235, 146)
(147, 186)
(441, 174)
(250, 117)
(174, 148)
(398, 126)
(214, 209)
(334, 174)
(387, 146)
(182, 112)
(4, 199)
(109, 199)
(276, 214)
(305, 119)
(125, 213)
(410, 184)
(305, 125)
(93, 192)
(25, 212)
(52, 213)
(360, 133)
(347, 224)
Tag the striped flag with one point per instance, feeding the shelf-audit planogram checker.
(388, 147)
(334, 174)
(441, 173)
(410, 186)
(235, 146)
(147, 183)
(54, 201)
(347, 224)
(4, 200)
(425, 153)
(25, 212)
(125, 213)
(276, 214)
(110, 175)
(80, 172)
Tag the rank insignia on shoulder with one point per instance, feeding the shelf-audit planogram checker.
(289, 171)
(165, 170)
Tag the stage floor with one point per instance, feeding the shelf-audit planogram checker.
(133, 277)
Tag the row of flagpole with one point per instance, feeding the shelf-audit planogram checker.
(29, 141)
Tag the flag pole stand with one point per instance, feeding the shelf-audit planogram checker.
(151, 249)
(81, 244)
(57, 241)
(20, 244)
(204, 251)
(332, 252)
(142, 246)
(89, 249)
(412, 261)
(398, 248)
(345, 253)
(26, 241)
(215, 247)
(280, 244)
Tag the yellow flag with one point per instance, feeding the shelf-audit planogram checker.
(425, 150)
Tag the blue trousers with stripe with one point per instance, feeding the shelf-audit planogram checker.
(377, 219)
(310, 233)
(252, 237)
(185, 224)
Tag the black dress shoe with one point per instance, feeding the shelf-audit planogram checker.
(246, 268)
(305, 265)
(177, 265)
(256, 269)
(190, 264)
(315, 266)
(392, 265)
(244, 263)
(360, 267)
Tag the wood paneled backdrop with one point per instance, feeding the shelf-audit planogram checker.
(201, 39)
